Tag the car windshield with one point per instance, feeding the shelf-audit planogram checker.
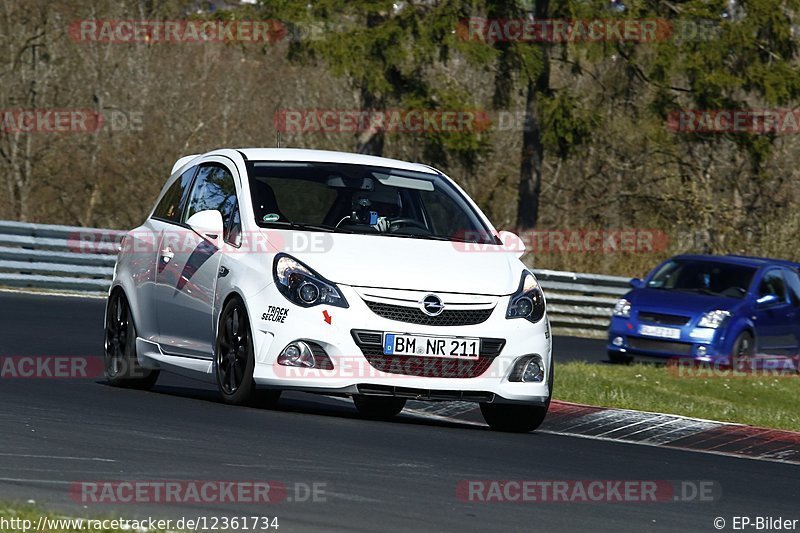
(703, 277)
(345, 198)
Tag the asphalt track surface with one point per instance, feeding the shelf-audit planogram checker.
(379, 476)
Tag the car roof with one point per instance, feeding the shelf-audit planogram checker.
(743, 260)
(326, 156)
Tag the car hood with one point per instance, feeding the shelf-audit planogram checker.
(670, 301)
(401, 263)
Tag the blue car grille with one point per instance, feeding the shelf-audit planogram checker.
(663, 318)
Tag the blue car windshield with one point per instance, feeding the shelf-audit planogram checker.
(703, 277)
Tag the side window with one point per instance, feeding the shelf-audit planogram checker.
(772, 283)
(214, 188)
(171, 204)
(793, 281)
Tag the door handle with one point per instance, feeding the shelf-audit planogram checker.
(167, 255)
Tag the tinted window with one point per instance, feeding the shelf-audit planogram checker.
(793, 282)
(171, 204)
(215, 189)
(772, 283)
(703, 277)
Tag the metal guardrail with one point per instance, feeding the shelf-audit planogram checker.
(52, 257)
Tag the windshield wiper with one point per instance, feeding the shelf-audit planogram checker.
(303, 226)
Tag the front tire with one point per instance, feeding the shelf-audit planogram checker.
(742, 352)
(234, 355)
(120, 360)
(513, 418)
(378, 408)
(619, 358)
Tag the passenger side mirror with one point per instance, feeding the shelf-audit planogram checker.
(636, 283)
(767, 300)
(207, 223)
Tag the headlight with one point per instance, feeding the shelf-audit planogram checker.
(713, 319)
(622, 309)
(528, 301)
(302, 286)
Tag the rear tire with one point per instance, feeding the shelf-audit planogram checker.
(120, 360)
(513, 418)
(377, 407)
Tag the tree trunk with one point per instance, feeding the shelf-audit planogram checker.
(530, 173)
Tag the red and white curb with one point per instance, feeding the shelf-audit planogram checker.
(639, 427)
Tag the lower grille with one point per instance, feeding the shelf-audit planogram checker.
(425, 394)
(654, 345)
(414, 315)
(370, 343)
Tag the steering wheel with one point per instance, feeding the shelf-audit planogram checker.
(397, 223)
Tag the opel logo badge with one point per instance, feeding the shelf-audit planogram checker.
(432, 305)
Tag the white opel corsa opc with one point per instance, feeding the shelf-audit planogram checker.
(281, 269)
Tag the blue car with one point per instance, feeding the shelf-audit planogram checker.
(720, 309)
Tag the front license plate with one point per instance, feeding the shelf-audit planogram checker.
(426, 346)
(659, 331)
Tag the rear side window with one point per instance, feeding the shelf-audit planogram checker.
(215, 189)
(772, 283)
(793, 281)
(171, 205)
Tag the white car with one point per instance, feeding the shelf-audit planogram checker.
(280, 269)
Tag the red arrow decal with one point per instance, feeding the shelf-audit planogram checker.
(328, 318)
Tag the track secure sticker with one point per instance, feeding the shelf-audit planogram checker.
(275, 314)
(271, 217)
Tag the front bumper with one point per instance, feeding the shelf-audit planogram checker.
(333, 328)
(702, 344)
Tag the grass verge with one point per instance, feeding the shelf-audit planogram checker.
(767, 401)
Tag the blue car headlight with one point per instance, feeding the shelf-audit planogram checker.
(622, 309)
(302, 286)
(528, 301)
(713, 319)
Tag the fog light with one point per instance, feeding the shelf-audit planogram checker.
(533, 371)
(618, 341)
(528, 369)
(701, 350)
(297, 353)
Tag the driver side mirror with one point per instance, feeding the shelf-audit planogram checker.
(767, 300)
(512, 243)
(636, 283)
(208, 224)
